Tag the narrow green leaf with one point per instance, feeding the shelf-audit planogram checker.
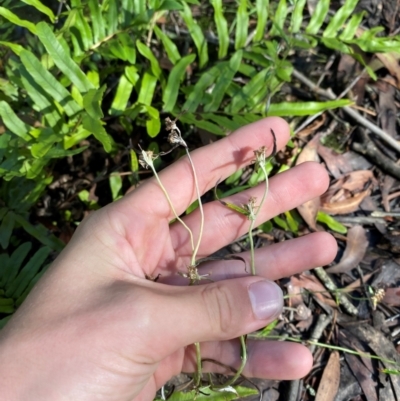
(76, 137)
(45, 141)
(42, 102)
(205, 81)
(336, 44)
(340, 17)
(13, 122)
(147, 89)
(6, 228)
(197, 35)
(352, 26)
(297, 16)
(318, 18)
(15, 263)
(169, 46)
(305, 108)
(122, 96)
(333, 224)
(96, 128)
(92, 102)
(146, 52)
(247, 93)
(139, 6)
(222, 121)
(82, 31)
(131, 73)
(224, 81)
(153, 124)
(40, 233)
(279, 19)
(128, 46)
(242, 25)
(99, 30)
(205, 125)
(112, 17)
(222, 28)
(63, 61)
(49, 83)
(134, 161)
(13, 46)
(170, 94)
(10, 16)
(115, 181)
(42, 8)
(28, 272)
(262, 18)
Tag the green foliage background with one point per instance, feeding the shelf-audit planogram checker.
(69, 77)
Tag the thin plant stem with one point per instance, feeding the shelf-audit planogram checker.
(241, 367)
(196, 183)
(253, 220)
(334, 348)
(172, 206)
(199, 370)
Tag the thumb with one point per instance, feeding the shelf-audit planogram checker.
(212, 312)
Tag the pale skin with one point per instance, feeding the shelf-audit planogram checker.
(94, 328)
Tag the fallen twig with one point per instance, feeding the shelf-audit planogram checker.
(351, 112)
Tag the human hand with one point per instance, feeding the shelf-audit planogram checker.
(94, 328)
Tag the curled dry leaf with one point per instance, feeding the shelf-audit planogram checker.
(314, 286)
(357, 244)
(345, 194)
(309, 210)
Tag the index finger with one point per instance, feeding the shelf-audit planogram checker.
(212, 163)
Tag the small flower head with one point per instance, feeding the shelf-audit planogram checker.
(261, 157)
(250, 208)
(146, 158)
(170, 125)
(174, 137)
(378, 297)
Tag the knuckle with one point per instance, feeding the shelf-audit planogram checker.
(219, 305)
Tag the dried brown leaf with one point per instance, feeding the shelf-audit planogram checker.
(312, 284)
(308, 211)
(356, 247)
(345, 206)
(330, 380)
(391, 62)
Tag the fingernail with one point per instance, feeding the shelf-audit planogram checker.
(266, 299)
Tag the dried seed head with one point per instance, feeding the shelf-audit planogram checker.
(260, 156)
(170, 125)
(250, 207)
(146, 158)
(175, 139)
(378, 297)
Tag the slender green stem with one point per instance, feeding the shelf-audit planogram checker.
(172, 206)
(196, 183)
(241, 367)
(332, 347)
(199, 366)
(253, 220)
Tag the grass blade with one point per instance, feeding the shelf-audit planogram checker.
(222, 28)
(49, 83)
(42, 8)
(197, 35)
(175, 77)
(13, 122)
(10, 16)
(242, 25)
(340, 17)
(318, 18)
(63, 61)
(262, 18)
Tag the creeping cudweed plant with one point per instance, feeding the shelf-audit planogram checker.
(251, 210)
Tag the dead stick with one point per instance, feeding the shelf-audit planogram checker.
(352, 113)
